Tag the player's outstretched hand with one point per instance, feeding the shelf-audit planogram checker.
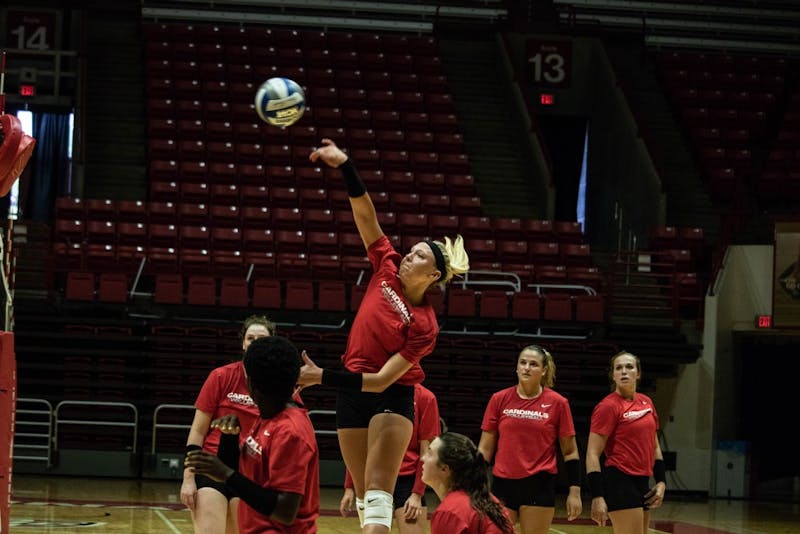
(310, 373)
(331, 154)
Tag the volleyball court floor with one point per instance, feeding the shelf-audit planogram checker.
(43, 504)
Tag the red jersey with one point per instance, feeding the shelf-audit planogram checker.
(281, 454)
(455, 515)
(387, 324)
(630, 427)
(427, 426)
(527, 431)
(225, 392)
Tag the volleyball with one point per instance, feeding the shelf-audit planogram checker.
(280, 102)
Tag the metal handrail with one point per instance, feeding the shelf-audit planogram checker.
(492, 278)
(323, 412)
(134, 424)
(47, 436)
(173, 426)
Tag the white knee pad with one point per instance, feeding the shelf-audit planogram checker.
(360, 510)
(378, 508)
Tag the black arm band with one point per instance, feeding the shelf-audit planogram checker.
(189, 448)
(228, 450)
(660, 471)
(342, 379)
(355, 185)
(573, 468)
(263, 500)
(595, 480)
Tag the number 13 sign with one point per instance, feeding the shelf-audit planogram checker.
(549, 63)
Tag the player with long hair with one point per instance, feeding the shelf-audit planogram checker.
(394, 328)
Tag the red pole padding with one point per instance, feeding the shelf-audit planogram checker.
(8, 402)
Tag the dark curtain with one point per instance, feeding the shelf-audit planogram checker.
(565, 137)
(49, 166)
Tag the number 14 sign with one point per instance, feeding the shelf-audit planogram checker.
(31, 29)
(549, 63)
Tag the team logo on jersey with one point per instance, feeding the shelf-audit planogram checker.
(396, 302)
(252, 446)
(240, 398)
(526, 414)
(636, 414)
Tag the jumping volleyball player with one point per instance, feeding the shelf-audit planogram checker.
(395, 327)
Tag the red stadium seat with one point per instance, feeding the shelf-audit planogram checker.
(164, 191)
(201, 290)
(266, 294)
(494, 304)
(461, 302)
(258, 239)
(101, 232)
(435, 298)
(320, 219)
(443, 225)
(557, 307)
(197, 237)
(299, 295)
(412, 223)
(225, 215)
(526, 306)
(576, 254)
(589, 308)
(332, 296)
(226, 238)
(80, 286)
(234, 292)
(481, 249)
(100, 209)
(132, 233)
(168, 289)
(162, 212)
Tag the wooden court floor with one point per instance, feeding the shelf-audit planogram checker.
(70, 504)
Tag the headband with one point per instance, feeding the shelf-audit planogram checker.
(438, 256)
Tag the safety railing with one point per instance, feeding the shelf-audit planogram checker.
(168, 426)
(33, 437)
(102, 418)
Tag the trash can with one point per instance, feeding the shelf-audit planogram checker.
(732, 469)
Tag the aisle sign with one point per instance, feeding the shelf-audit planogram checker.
(31, 30)
(549, 63)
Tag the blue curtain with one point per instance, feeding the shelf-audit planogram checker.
(49, 165)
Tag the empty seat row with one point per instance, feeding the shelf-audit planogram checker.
(260, 35)
(332, 296)
(437, 119)
(304, 135)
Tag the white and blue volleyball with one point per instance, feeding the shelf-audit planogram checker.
(280, 102)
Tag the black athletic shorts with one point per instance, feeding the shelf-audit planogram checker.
(203, 481)
(624, 491)
(354, 409)
(403, 489)
(536, 490)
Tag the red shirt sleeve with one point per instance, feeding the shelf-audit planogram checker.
(604, 418)
(380, 252)
(421, 340)
(491, 419)
(208, 398)
(448, 522)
